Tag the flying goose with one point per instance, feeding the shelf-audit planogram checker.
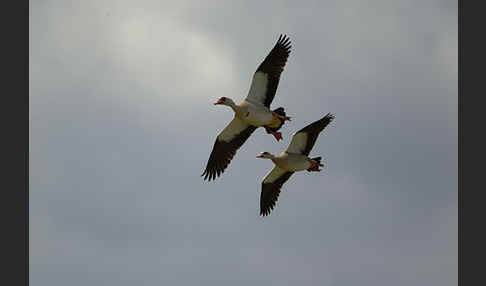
(253, 112)
(292, 160)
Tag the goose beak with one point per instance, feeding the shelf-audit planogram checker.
(259, 156)
(218, 102)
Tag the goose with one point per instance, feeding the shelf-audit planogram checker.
(294, 159)
(253, 112)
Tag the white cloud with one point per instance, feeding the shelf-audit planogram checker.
(163, 52)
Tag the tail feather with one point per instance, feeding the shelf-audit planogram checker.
(279, 111)
(318, 160)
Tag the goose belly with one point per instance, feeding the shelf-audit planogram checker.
(293, 162)
(257, 118)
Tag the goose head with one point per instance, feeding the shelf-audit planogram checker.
(225, 101)
(265, 155)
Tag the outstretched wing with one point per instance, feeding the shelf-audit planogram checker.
(271, 186)
(304, 139)
(225, 147)
(266, 78)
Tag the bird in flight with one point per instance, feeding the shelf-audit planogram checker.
(294, 159)
(253, 112)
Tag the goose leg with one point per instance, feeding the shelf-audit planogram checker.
(314, 167)
(277, 135)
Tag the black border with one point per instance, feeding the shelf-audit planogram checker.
(471, 151)
(15, 134)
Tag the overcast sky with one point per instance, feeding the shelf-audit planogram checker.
(122, 124)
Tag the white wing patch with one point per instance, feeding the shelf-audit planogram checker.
(232, 130)
(298, 143)
(273, 175)
(258, 88)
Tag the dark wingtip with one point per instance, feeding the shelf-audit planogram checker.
(330, 116)
(283, 39)
(265, 212)
(206, 175)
